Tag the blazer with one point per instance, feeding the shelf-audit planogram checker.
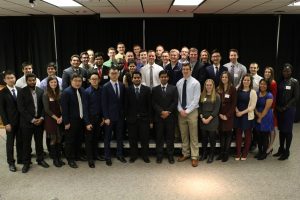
(104, 75)
(164, 102)
(138, 108)
(26, 105)
(210, 73)
(112, 106)
(8, 107)
(69, 105)
(66, 77)
(174, 74)
(199, 72)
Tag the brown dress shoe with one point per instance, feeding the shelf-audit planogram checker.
(182, 158)
(194, 162)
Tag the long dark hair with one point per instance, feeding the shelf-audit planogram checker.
(221, 84)
(53, 94)
(272, 73)
(241, 87)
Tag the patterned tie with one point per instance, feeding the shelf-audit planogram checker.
(232, 73)
(79, 104)
(151, 76)
(183, 103)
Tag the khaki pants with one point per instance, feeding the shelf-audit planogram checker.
(189, 133)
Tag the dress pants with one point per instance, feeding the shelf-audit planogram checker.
(10, 138)
(91, 138)
(139, 131)
(189, 133)
(73, 138)
(117, 128)
(239, 138)
(37, 132)
(165, 128)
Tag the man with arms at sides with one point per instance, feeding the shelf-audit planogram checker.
(215, 70)
(112, 61)
(95, 116)
(100, 68)
(188, 102)
(150, 71)
(138, 116)
(158, 53)
(198, 68)
(121, 50)
(26, 69)
(51, 71)
(143, 59)
(74, 68)
(10, 116)
(165, 57)
(236, 69)
(164, 101)
(74, 115)
(174, 67)
(30, 105)
(113, 114)
(253, 68)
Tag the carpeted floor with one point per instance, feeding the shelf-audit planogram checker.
(269, 179)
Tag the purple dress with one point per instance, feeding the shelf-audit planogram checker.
(267, 122)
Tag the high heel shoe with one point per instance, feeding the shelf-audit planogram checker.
(269, 151)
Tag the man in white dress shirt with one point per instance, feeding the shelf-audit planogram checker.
(26, 69)
(253, 68)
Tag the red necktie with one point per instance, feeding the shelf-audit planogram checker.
(99, 71)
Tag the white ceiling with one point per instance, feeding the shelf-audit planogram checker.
(148, 8)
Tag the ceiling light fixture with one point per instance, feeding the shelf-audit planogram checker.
(295, 3)
(187, 2)
(63, 3)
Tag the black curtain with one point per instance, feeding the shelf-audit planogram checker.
(26, 39)
(253, 35)
(77, 34)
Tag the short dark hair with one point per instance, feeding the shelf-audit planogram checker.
(136, 72)
(215, 51)
(75, 56)
(234, 50)
(30, 75)
(268, 84)
(99, 54)
(285, 65)
(94, 73)
(52, 64)
(75, 75)
(8, 72)
(113, 68)
(162, 72)
(131, 61)
(24, 64)
(83, 53)
(186, 64)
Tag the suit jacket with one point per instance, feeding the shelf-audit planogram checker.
(210, 72)
(199, 72)
(69, 105)
(8, 107)
(66, 77)
(112, 105)
(138, 108)
(174, 74)
(164, 102)
(104, 75)
(26, 105)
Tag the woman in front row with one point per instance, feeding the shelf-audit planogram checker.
(264, 118)
(244, 122)
(209, 121)
(227, 94)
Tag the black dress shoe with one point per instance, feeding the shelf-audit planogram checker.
(25, 168)
(43, 164)
(61, 162)
(171, 160)
(159, 160)
(91, 164)
(100, 158)
(12, 167)
(225, 158)
(56, 163)
(146, 160)
(132, 160)
(108, 162)
(72, 164)
(284, 156)
(262, 156)
(122, 159)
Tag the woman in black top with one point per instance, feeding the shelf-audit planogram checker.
(287, 98)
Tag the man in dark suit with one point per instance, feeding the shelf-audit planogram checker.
(215, 70)
(138, 117)
(74, 114)
(101, 69)
(164, 101)
(10, 118)
(30, 105)
(198, 68)
(74, 68)
(113, 114)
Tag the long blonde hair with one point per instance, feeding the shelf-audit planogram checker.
(213, 92)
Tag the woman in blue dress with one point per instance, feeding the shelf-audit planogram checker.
(264, 118)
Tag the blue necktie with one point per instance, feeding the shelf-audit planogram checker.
(117, 90)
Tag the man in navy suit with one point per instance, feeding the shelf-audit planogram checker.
(10, 117)
(74, 114)
(215, 70)
(113, 114)
(138, 117)
(30, 106)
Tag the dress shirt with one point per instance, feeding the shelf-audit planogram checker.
(114, 86)
(34, 96)
(193, 89)
(145, 71)
(239, 71)
(11, 88)
(256, 79)
(21, 82)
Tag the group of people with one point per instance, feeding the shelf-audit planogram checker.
(167, 92)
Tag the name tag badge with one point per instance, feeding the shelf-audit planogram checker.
(236, 75)
(204, 99)
(83, 79)
(105, 77)
(288, 87)
(51, 99)
(227, 96)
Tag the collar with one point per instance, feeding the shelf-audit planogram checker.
(10, 88)
(217, 66)
(139, 86)
(161, 85)
(114, 82)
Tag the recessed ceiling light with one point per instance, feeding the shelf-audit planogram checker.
(180, 10)
(63, 3)
(295, 3)
(187, 2)
(279, 11)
